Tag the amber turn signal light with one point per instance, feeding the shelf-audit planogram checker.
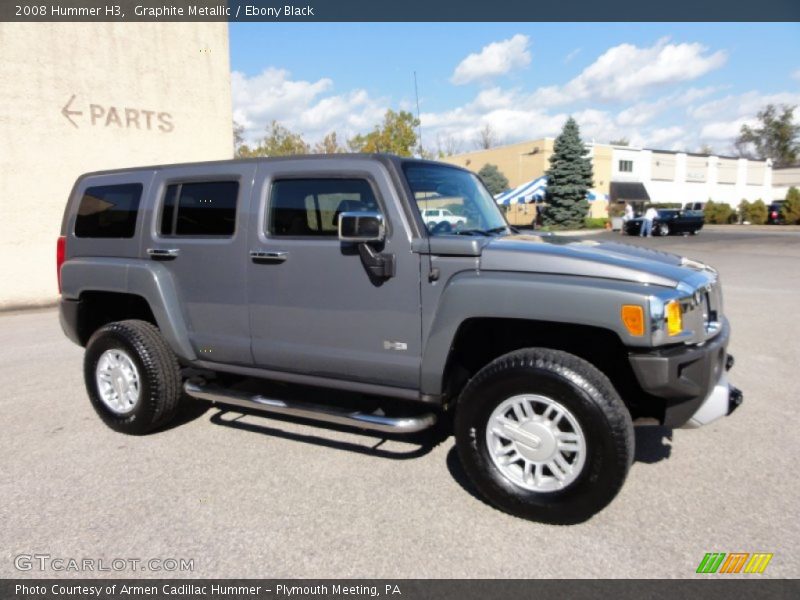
(633, 319)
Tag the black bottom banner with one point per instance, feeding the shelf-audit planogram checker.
(399, 589)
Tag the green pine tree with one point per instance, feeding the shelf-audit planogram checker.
(568, 179)
(493, 179)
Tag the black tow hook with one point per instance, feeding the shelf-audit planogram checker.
(729, 361)
(735, 399)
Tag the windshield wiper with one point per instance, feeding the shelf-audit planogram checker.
(486, 232)
(497, 229)
(471, 232)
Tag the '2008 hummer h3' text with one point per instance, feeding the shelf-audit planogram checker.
(187, 280)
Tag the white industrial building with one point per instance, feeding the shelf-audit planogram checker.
(784, 178)
(683, 177)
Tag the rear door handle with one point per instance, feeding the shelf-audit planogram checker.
(268, 256)
(163, 253)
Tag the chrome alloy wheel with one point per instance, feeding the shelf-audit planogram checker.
(536, 442)
(118, 381)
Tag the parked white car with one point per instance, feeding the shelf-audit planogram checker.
(434, 216)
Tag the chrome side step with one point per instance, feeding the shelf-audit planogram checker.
(315, 412)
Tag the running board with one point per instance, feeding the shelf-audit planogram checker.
(315, 412)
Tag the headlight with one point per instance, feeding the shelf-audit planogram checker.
(674, 317)
(666, 316)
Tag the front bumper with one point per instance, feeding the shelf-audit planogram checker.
(721, 402)
(691, 380)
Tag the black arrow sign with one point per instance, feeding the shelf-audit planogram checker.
(67, 113)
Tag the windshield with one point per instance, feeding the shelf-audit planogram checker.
(452, 201)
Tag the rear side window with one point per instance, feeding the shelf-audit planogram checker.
(311, 207)
(200, 209)
(109, 211)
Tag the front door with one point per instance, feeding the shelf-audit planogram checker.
(314, 307)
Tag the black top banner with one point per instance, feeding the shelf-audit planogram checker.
(403, 11)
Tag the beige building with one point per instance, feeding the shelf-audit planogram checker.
(639, 175)
(79, 97)
(526, 161)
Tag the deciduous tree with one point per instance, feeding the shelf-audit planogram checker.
(790, 210)
(758, 212)
(279, 141)
(487, 138)
(776, 136)
(396, 135)
(329, 145)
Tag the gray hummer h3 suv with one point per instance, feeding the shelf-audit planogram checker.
(182, 281)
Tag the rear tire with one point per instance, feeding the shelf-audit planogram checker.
(544, 436)
(132, 377)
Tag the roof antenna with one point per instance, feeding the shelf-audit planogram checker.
(419, 121)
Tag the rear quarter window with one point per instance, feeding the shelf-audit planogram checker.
(108, 211)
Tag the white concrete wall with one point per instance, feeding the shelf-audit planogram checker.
(696, 178)
(631, 154)
(147, 94)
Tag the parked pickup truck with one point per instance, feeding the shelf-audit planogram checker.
(442, 218)
(184, 281)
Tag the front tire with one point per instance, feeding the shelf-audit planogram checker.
(132, 377)
(544, 435)
(663, 229)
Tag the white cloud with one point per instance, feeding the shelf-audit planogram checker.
(644, 112)
(723, 131)
(497, 58)
(739, 105)
(627, 72)
(306, 107)
(651, 103)
(571, 55)
(663, 136)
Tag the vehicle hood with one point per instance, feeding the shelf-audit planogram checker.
(564, 255)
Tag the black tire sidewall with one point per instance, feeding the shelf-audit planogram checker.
(600, 476)
(140, 419)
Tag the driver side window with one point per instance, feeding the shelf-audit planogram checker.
(311, 207)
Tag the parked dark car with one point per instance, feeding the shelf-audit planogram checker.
(670, 221)
(774, 213)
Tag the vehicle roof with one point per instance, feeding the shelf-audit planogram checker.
(378, 157)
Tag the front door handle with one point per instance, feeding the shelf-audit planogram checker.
(268, 255)
(163, 253)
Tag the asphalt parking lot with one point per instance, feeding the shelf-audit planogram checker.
(260, 497)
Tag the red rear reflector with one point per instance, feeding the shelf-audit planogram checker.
(61, 251)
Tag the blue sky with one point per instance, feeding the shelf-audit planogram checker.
(665, 85)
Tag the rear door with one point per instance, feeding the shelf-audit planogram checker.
(198, 232)
(314, 309)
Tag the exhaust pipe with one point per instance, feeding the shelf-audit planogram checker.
(315, 412)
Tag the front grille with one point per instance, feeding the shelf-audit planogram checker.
(712, 308)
